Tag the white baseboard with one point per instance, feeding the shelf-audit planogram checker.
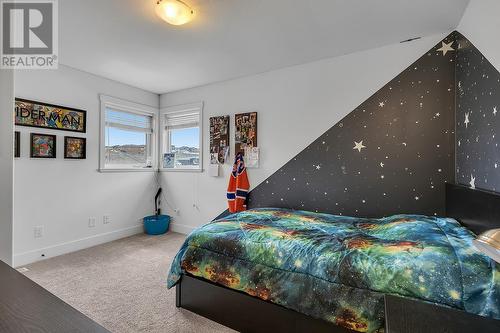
(181, 228)
(29, 257)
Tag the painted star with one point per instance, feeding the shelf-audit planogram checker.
(467, 121)
(358, 145)
(438, 114)
(382, 164)
(381, 104)
(318, 167)
(495, 111)
(472, 182)
(445, 47)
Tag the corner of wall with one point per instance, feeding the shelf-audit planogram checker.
(7, 78)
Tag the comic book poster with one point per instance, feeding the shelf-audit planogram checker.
(75, 148)
(43, 146)
(36, 114)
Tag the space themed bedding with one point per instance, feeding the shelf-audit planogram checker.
(338, 268)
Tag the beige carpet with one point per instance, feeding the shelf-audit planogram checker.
(122, 285)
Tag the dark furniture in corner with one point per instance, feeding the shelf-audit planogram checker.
(475, 209)
(27, 307)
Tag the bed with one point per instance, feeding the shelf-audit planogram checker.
(333, 272)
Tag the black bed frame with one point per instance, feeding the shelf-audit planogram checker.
(477, 210)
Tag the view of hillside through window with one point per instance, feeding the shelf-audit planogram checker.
(184, 149)
(126, 148)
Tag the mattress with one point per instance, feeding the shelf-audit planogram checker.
(338, 268)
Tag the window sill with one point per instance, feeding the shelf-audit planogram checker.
(181, 170)
(127, 170)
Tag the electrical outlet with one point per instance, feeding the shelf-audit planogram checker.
(38, 232)
(106, 219)
(91, 222)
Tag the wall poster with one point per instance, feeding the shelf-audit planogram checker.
(246, 131)
(219, 139)
(37, 114)
(75, 148)
(43, 146)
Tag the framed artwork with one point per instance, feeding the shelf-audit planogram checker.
(75, 148)
(43, 146)
(17, 144)
(246, 131)
(37, 114)
(219, 139)
(169, 160)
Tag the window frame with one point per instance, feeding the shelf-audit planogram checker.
(131, 107)
(198, 106)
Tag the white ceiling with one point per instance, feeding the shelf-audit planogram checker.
(125, 41)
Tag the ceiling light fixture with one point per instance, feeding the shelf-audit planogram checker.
(175, 12)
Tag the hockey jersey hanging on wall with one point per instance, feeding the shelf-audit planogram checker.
(237, 190)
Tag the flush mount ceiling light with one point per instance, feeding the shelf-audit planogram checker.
(175, 12)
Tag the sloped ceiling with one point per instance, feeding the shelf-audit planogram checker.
(125, 41)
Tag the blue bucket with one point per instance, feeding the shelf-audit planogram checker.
(156, 224)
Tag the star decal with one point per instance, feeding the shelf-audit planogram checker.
(467, 121)
(472, 182)
(359, 145)
(381, 104)
(445, 47)
(382, 164)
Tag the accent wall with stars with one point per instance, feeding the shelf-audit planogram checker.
(392, 154)
(478, 121)
(395, 152)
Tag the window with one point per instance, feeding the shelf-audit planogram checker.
(182, 138)
(127, 136)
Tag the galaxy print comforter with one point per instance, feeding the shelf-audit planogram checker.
(338, 268)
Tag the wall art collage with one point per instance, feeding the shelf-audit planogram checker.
(53, 117)
(245, 138)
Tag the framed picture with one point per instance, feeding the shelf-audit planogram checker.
(75, 148)
(219, 139)
(43, 146)
(37, 114)
(17, 144)
(169, 160)
(246, 131)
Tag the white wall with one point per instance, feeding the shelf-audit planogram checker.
(295, 105)
(6, 165)
(481, 25)
(61, 195)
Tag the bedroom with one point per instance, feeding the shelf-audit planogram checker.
(341, 111)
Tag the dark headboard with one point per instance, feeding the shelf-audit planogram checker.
(477, 210)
